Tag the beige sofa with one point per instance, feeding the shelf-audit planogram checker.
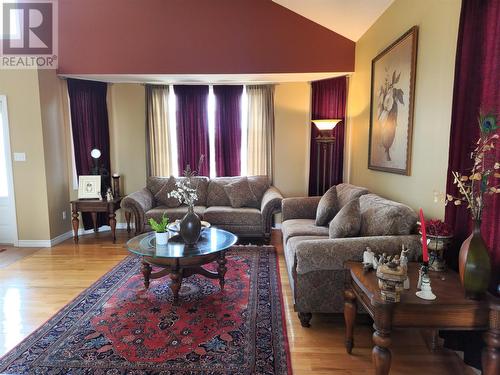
(213, 205)
(315, 261)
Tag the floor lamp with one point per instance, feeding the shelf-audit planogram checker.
(325, 151)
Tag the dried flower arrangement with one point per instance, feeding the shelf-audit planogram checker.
(186, 188)
(485, 174)
(438, 228)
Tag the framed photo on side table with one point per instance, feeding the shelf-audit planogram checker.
(89, 187)
(391, 110)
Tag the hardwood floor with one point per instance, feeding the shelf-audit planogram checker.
(35, 287)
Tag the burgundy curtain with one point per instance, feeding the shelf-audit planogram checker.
(476, 87)
(228, 130)
(328, 102)
(89, 123)
(192, 127)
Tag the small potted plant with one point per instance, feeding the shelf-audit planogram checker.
(160, 229)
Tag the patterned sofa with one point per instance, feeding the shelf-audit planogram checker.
(253, 219)
(315, 261)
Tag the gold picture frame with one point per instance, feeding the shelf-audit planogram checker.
(392, 105)
(89, 187)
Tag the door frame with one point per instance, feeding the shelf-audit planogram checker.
(8, 159)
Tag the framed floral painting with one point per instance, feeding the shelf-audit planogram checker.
(391, 117)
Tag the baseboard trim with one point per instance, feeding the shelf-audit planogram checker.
(63, 237)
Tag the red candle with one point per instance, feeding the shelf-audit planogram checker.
(425, 252)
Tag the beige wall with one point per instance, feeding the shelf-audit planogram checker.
(23, 104)
(127, 128)
(292, 138)
(55, 151)
(438, 28)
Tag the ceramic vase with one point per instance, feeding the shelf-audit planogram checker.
(190, 227)
(161, 238)
(474, 264)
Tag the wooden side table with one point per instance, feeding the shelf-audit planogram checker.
(94, 206)
(449, 311)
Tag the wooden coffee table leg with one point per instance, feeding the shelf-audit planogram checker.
(146, 271)
(175, 285)
(381, 354)
(350, 309)
(222, 269)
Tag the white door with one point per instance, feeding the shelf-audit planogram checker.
(8, 225)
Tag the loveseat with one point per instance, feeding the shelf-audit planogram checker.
(315, 260)
(241, 205)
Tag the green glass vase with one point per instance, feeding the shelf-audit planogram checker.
(474, 264)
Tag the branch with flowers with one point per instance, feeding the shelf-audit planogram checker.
(484, 176)
(186, 189)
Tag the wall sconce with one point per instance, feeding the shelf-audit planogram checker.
(325, 146)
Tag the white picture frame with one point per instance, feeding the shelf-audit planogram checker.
(89, 187)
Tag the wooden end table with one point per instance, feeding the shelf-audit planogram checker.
(94, 206)
(450, 311)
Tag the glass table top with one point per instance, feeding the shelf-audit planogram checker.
(212, 240)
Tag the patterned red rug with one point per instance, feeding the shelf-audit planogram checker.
(116, 327)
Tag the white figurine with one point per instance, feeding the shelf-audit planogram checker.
(109, 195)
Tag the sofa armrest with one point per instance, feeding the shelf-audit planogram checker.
(331, 254)
(271, 204)
(138, 203)
(299, 208)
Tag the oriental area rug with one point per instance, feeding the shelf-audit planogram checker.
(117, 327)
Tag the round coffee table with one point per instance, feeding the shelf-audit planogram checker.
(180, 260)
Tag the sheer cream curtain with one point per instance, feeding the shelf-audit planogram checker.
(260, 130)
(159, 139)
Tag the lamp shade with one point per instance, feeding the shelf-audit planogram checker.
(327, 124)
(95, 153)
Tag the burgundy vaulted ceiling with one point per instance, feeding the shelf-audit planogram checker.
(194, 37)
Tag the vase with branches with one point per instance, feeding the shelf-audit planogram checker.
(186, 192)
(475, 188)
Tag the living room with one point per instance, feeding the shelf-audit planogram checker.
(286, 114)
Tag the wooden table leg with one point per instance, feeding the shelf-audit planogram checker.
(221, 269)
(491, 353)
(381, 355)
(146, 271)
(94, 220)
(350, 309)
(128, 215)
(112, 224)
(175, 285)
(76, 224)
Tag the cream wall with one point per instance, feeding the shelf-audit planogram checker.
(292, 138)
(23, 102)
(438, 28)
(127, 132)
(55, 152)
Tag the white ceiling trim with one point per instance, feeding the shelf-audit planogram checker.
(349, 18)
(193, 79)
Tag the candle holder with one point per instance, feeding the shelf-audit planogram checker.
(116, 185)
(424, 284)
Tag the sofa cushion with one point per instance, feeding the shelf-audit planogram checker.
(232, 216)
(162, 196)
(154, 183)
(348, 192)
(258, 185)
(173, 214)
(301, 227)
(347, 222)
(327, 207)
(383, 217)
(216, 194)
(240, 194)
